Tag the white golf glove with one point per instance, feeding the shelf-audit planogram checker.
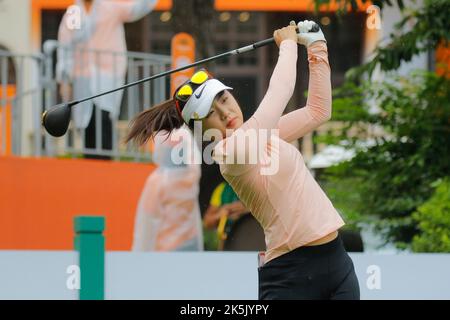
(305, 37)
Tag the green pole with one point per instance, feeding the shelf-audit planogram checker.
(90, 244)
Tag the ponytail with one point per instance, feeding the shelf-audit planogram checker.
(164, 116)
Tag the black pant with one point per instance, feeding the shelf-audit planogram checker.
(106, 132)
(323, 272)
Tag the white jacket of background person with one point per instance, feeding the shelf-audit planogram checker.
(168, 214)
(100, 29)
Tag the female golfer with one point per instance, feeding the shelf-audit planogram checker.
(305, 257)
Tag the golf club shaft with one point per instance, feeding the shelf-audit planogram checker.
(56, 120)
(251, 47)
(165, 73)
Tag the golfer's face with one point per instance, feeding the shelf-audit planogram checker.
(224, 114)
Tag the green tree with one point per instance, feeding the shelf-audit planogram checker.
(430, 27)
(392, 175)
(433, 218)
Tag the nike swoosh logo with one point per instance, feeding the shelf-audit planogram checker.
(200, 93)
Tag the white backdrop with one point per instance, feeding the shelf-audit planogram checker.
(209, 275)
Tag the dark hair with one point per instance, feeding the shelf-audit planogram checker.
(148, 123)
(164, 116)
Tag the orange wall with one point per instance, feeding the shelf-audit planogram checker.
(40, 197)
(277, 5)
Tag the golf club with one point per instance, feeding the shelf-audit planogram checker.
(56, 120)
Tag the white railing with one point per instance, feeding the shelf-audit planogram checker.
(36, 90)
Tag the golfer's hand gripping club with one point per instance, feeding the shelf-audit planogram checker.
(308, 32)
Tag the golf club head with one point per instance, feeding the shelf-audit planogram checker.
(56, 120)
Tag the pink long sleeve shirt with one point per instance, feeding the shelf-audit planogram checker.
(288, 203)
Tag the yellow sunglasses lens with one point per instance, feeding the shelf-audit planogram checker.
(199, 77)
(184, 92)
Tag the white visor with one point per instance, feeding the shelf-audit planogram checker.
(199, 104)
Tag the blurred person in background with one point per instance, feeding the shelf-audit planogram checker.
(168, 214)
(82, 70)
(223, 210)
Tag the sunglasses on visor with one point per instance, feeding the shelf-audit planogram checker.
(186, 90)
